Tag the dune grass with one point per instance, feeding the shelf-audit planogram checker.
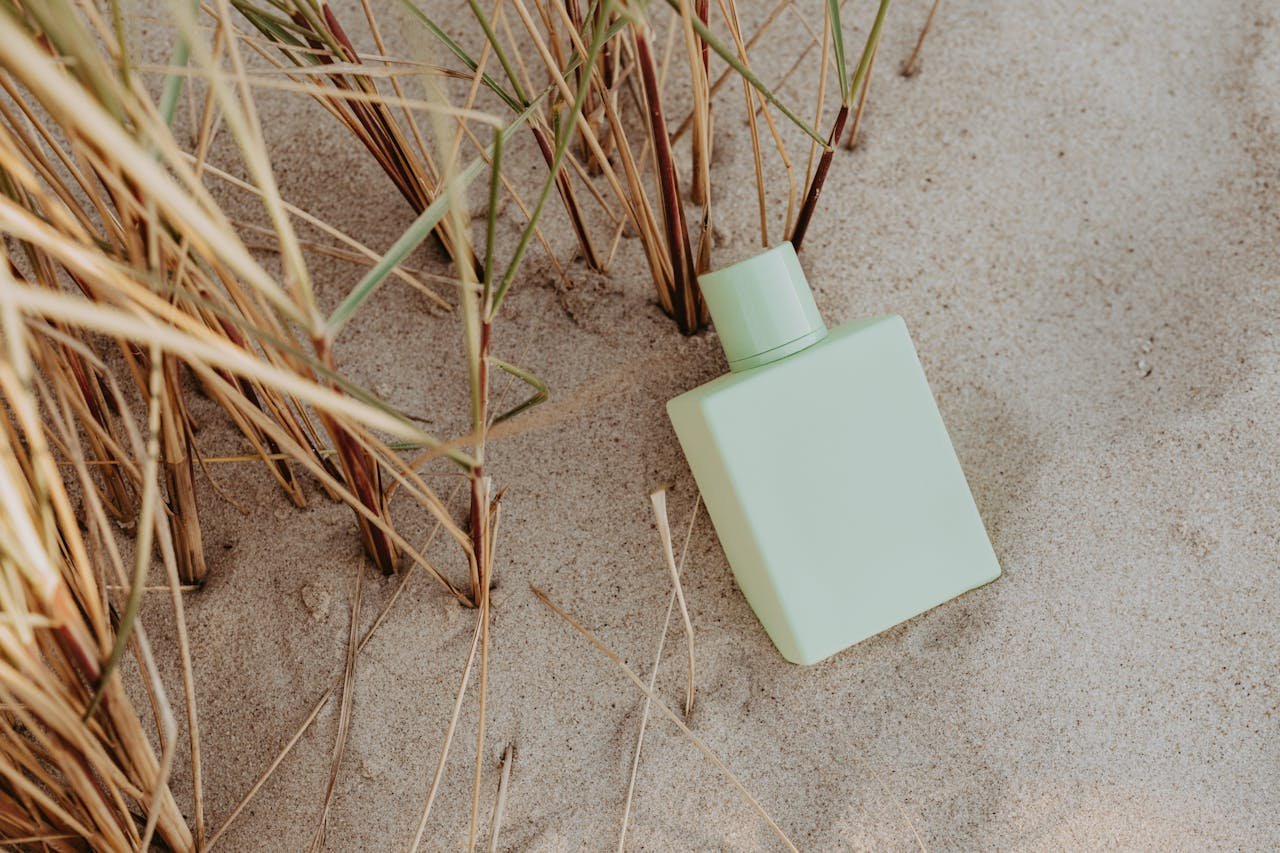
(125, 288)
(527, 37)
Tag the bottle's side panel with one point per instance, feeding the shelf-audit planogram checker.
(697, 432)
(846, 471)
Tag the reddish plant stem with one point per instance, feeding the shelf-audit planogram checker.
(704, 11)
(179, 472)
(479, 490)
(76, 648)
(363, 477)
(381, 135)
(686, 299)
(118, 503)
(819, 178)
(283, 472)
(570, 199)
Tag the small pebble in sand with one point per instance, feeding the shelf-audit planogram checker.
(1144, 367)
(316, 600)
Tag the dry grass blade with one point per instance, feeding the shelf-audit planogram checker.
(697, 52)
(318, 39)
(217, 353)
(217, 283)
(146, 528)
(670, 714)
(659, 501)
(837, 130)
(852, 139)
(60, 772)
(447, 743)
(119, 242)
(730, 13)
(122, 279)
(344, 715)
(747, 74)
(909, 67)
(884, 789)
(684, 297)
(323, 700)
(500, 801)
(653, 678)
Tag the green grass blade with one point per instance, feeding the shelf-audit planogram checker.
(516, 104)
(540, 393)
(747, 74)
(173, 82)
(837, 45)
(491, 217)
(564, 134)
(146, 528)
(503, 59)
(873, 39)
(418, 230)
(286, 34)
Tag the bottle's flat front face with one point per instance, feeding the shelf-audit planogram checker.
(835, 491)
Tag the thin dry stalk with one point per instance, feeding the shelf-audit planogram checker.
(699, 57)
(500, 800)
(820, 100)
(447, 744)
(774, 14)
(61, 773)
(837, 129)
(684, 297)
(653, 679)
(670, 714)
(851, 140)
(324, 698)
(909, 67)
(730, 12)
(118, 240)
(344, 715)
(473, 829)
(214, 307)
(179, 471)
(659, 501)
(317, 38)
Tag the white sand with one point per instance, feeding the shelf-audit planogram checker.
(1074, 208)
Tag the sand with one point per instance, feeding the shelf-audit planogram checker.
(1075, 211)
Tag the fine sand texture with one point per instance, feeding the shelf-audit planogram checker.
(1075, 209)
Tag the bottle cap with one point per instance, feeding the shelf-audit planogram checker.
(762, 308)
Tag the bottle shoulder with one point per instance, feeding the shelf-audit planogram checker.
(812, 363)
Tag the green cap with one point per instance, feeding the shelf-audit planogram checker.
(762, 308)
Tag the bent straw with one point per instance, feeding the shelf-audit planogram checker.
(662, 706)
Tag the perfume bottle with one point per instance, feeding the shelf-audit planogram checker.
(825, 466)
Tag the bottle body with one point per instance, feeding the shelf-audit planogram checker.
(834, 489)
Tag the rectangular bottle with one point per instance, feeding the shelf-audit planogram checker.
(825, 466)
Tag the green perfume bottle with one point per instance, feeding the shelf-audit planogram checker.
(825, 466)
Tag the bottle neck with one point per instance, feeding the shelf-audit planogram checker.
(762, 308)
(779, 352)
